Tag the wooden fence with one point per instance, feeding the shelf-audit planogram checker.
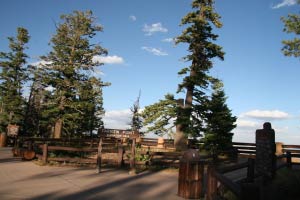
(147, 148)
(244, 189)
(87, 154)
(245, 149)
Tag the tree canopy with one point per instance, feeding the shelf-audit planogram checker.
(77, 96)
(12, 77)
(190, 115)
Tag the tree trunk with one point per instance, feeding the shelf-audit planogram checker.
(58, 128)
(180, 140)
(189, 93)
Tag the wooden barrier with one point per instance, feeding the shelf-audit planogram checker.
(248, 189)
(216, 178)
(245, 149)
(170, 159)
(105, 145)
(288, 156)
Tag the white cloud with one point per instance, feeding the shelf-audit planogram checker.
(155, 51)
(285, 3)
(117, 119)
(108, 59)
(151, 29)
(168, 40)
(132, 18)
(266, 114)
(246, 123)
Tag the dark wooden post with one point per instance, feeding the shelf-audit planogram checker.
(3, 138)
(120, 156)
(190, 178)
(45, 153)
(212, 184)
(265, 161)
(132, 158)
(288, 159)
(99, 156)
(250, 170)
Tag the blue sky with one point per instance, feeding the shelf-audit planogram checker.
(261, 84)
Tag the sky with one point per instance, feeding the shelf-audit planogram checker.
(260, 82)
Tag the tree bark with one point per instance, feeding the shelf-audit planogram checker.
(58, 128)
(180, 139)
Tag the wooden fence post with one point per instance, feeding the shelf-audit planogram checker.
(92, 142)
(132, 158)
(120, 156)
(288, 159)
(99, 156)
(212, 184)
(45, 153)
(250, 170)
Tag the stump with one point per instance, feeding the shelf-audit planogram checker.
(28, 154)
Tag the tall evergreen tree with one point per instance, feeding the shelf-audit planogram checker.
(200, 39)
(219, 121)
(12, 77)
(34, 124)
(198, 35)
(68, 65)
(292, 25)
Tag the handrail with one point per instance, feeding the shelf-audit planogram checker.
(233, 167)
(235, 188)
(62, 148)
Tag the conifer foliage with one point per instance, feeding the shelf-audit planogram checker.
(136, 120)
(76, 99)
(292, 25)
(198, 113)
(200, 39)
(219, 121)
(159, 117)
(13, 74)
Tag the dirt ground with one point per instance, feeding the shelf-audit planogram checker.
(26, 180)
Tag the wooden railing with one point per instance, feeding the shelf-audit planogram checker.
(294, 149)
(108, 145)
(217, 179)
(246, 189)
(245, 149)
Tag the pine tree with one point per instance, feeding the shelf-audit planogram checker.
(136, 119)
(34, 124)
(159, 117)
(291, 25)
(69, 64)
(219, 122)
(200, 39)
(12, 77)
(198, 35)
